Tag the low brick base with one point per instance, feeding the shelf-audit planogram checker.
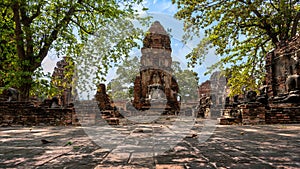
(252, 113)
(283, 113)
(24, 113)
(229, 121)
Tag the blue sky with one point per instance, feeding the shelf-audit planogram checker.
(163, 11)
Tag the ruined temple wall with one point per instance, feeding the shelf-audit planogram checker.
(281, 63)
(286, 113)
(214, 87)
(156, 58)
(252, 113)
(137, 89)
(25, 114)
(204, 89)
(282, 67)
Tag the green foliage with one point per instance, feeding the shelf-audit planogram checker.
(41, 87)
(187, 81)
(30, 29)
(121, 87)
(8, 59)
(241, 31)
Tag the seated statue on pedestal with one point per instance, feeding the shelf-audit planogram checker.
(155, 90)
(292, 82)
(156, 94)
(293, 88)
(55, 102)
(263, 95)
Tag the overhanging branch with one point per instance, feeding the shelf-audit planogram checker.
(54, 34)
(82, 28)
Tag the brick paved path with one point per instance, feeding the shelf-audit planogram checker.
(265, 146)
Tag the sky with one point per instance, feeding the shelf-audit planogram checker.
(162, 11)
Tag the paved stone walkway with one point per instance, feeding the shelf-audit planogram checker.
(263, 146)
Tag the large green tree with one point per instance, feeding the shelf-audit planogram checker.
(187, 81)
(241, 31)
(121, 87)
(31, 28)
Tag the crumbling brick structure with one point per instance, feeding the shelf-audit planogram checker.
(212, 96)
(155, 82)
(283, 82)
(26, 114)
(279, 98)
(103, 100)
(62, 80)
(204, 89)
(283, 69)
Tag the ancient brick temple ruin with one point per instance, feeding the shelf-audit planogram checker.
(103, 100)
(42, 113)
(62, 80)
(212, 95)
(279, 98)
(283, 72)
(155, 86)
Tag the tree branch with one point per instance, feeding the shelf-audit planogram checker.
(54, 34)
(36, 14)
(272, 4)
(243, 25)
(267, 27)
(82, 28)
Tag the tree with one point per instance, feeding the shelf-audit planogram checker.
(242, 32)
(187, 81)
(30, 29)
(122, 86)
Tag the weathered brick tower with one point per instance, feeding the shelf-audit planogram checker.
(155, 83)
(62, 79)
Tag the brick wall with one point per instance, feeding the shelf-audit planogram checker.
(253, 113)
(283, 113)
(257, 113)
(25, 114)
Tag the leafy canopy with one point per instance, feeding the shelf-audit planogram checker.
(241, 31)
(32, 28)
(187, 81)
(121, 87)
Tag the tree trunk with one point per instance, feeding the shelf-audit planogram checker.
(24, 88)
